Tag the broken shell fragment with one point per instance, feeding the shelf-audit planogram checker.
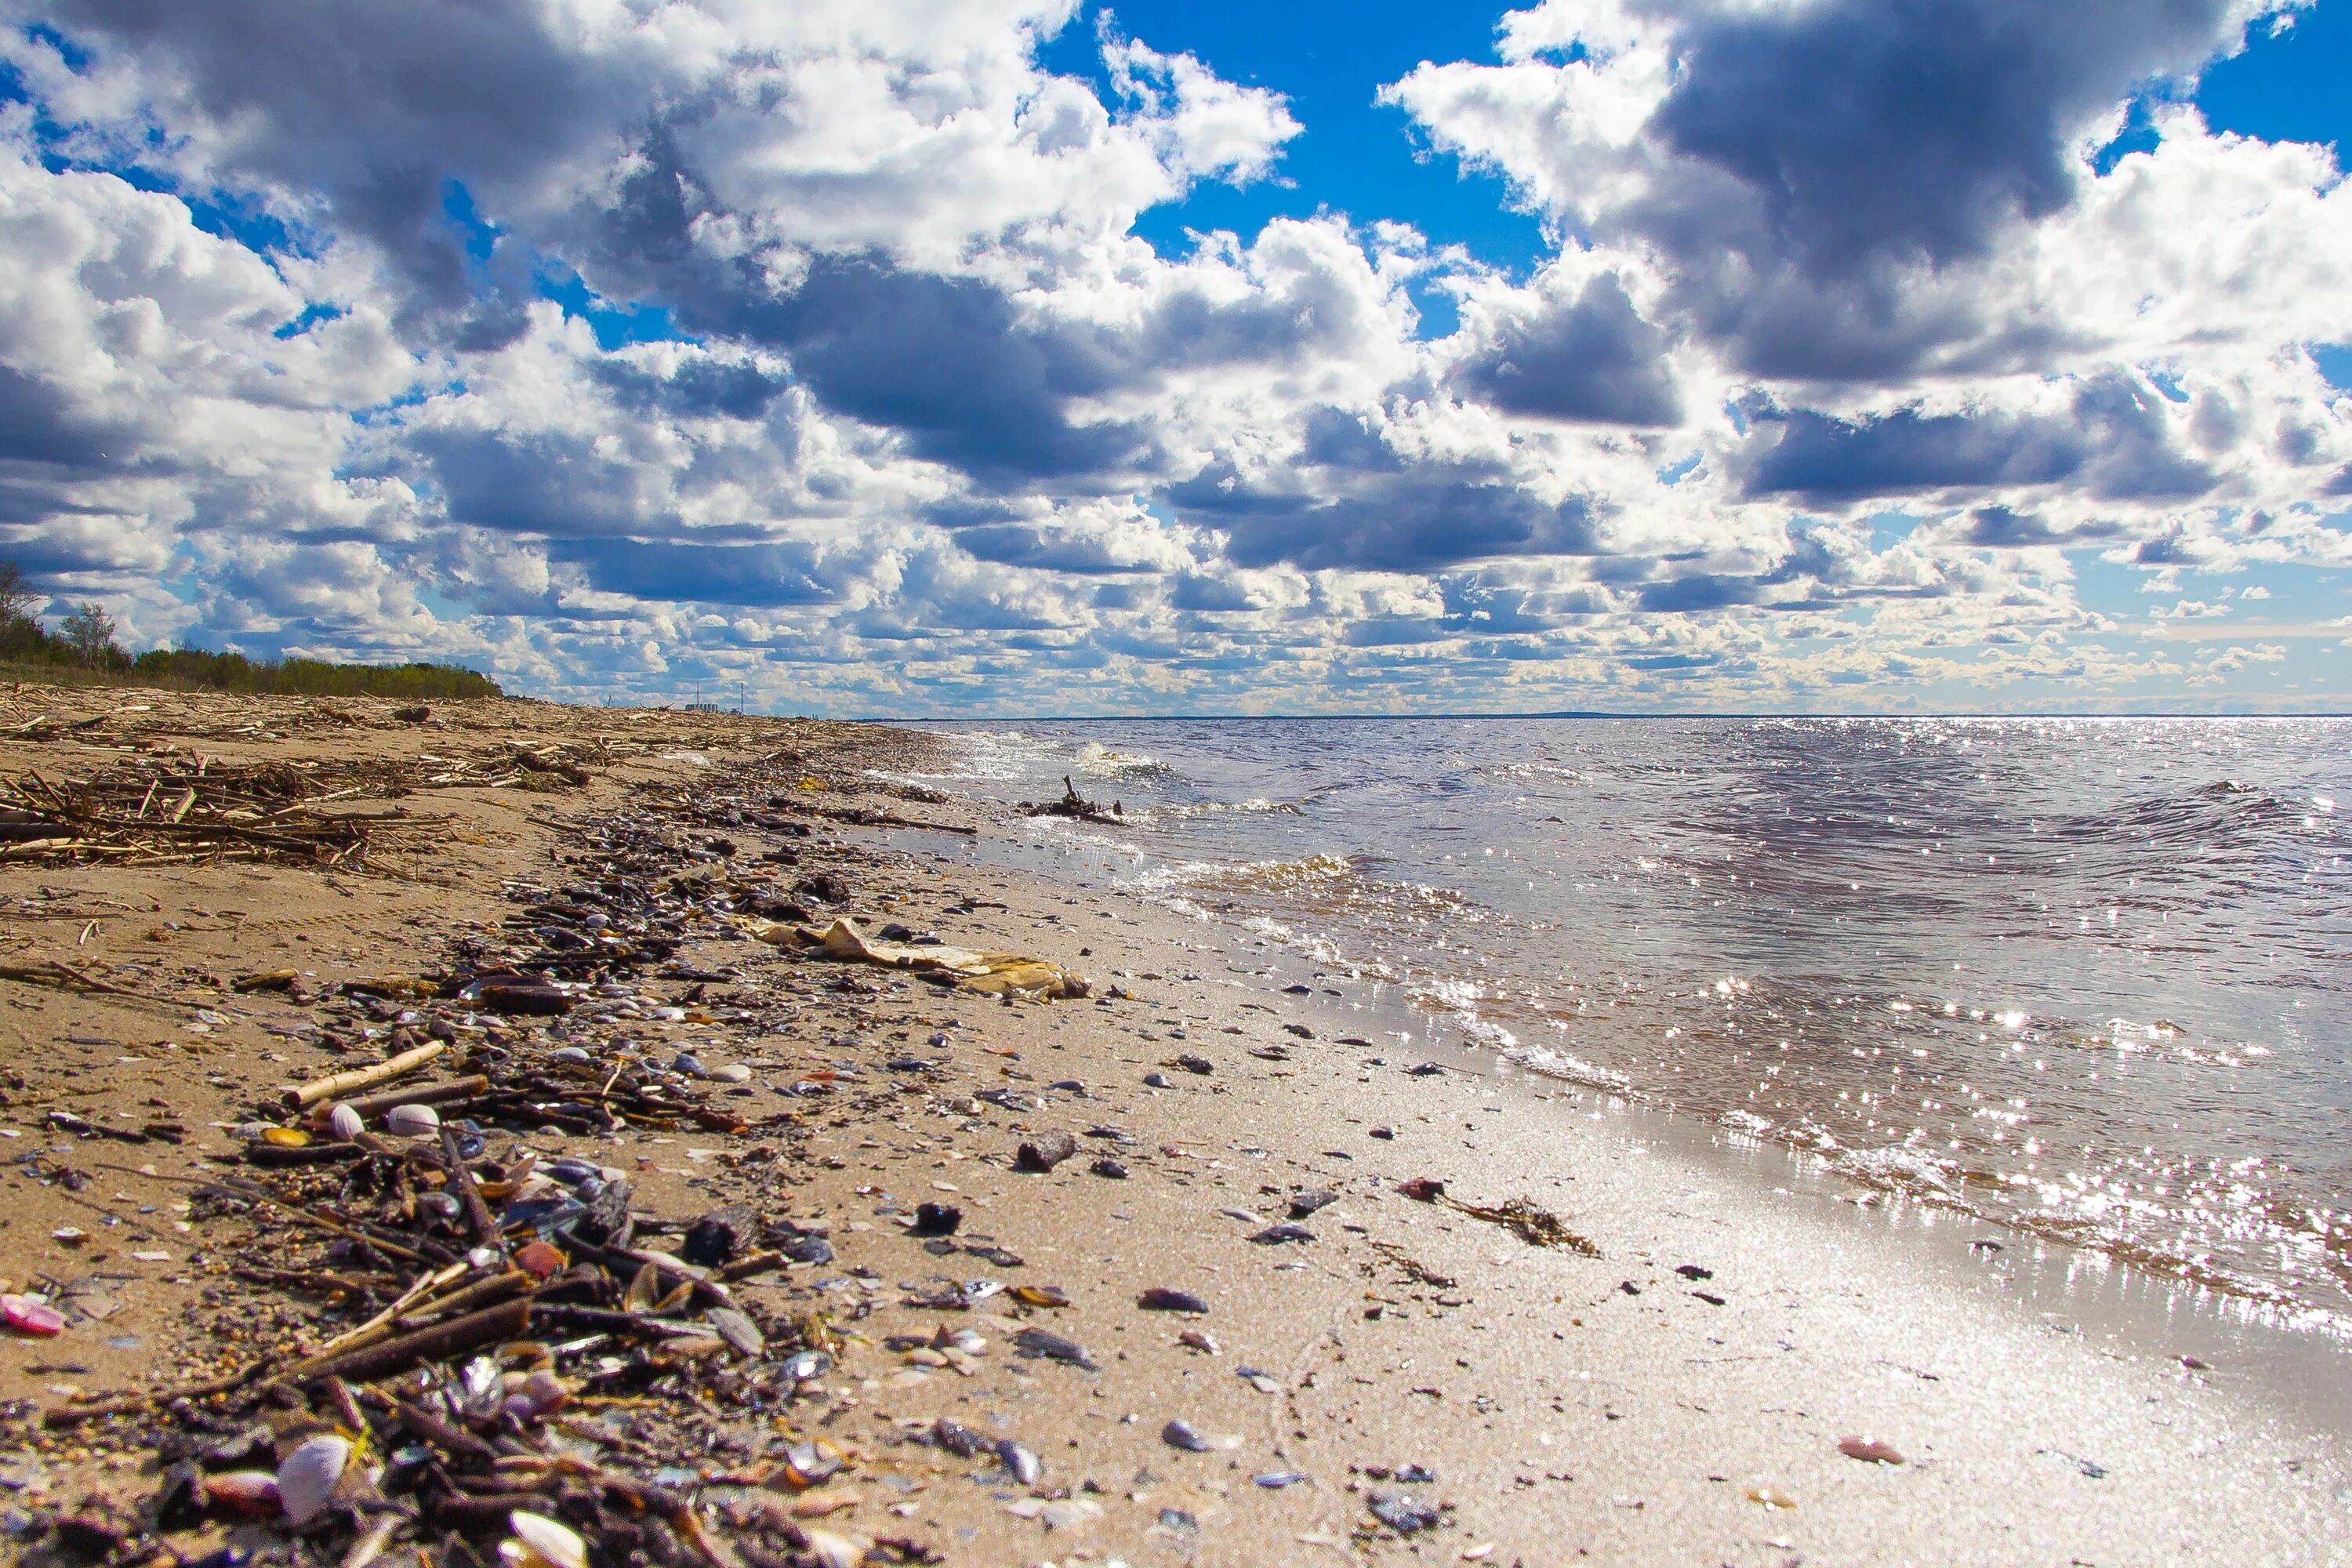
(307, 1477)
(1870, 1450)
(1020, 1462)
(253, 1493)
(28, 1316)
(540, 1541)
(1181, 1433)
(1159, 1298)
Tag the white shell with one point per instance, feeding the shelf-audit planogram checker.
(345, 1123)
(836, 1551)
(411, 1121)
(307, 1479)
(545, 1542)
(735, 1072)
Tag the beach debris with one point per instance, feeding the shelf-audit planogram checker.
(28, 1315)
(1200, 1340)
(307, 1477)
(937, 1219)
(1404, 1512)
(1274, 1480)
(1385, 1135)
(1306, 1203)
(1109, 1167)
(1276, 1234)
(1074, 806)
(1536, 1225)
(1157, 1081)
(1009, 975)
(1041, 1296)
(1043, 1153)
(1020, 1461)
(718, 1237)
(1694, 1272)
(1050, 1346)
(1771, 1499)
(2090, 1468)
(1870, 1450)
(1161, 1298)
(1199, 1065)
(410, 1120)
(539, 1542)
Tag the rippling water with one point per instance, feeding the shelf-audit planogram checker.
(2089, 976)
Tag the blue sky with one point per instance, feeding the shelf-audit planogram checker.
(1011, 357)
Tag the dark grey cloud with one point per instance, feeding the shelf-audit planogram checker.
(1048, 549)
(529, 483)
(1863, 132)
(1420, 523)
(1593, 360)
(2113, 443)
(1838, 159)
(704, 386)
(1998, 528)
(756, 576)
(376, 105)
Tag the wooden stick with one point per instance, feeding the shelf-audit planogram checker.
(488, 1327)
(371, 1106)
(401, 1066)
(73, 1414)
(469, 1192)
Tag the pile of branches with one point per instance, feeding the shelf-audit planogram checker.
(149, 814)
(498, 1299)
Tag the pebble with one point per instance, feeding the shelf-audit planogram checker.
(1159, 1298)
(1179, 1433)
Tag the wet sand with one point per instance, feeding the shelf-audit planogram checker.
(1681, 1397)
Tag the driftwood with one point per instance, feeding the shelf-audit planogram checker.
(401, 1066)
(1076, 805)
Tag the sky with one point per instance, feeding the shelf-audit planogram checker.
(1011, 358)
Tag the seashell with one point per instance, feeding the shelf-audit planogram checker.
(439, 1203)
(69, 1236)
(1181, 1433)
(570, 1055)
(286, 1137)
(1870, 1450)
(539, 1259)
(307, 1477)
(345, 1123)
(808, 1464)
(734, 1072)
(252, 1492)
(539, 1394)
(1159, 1298)
(540, 1541)
(806, 1367)
(411, 1121)
(832, 1551)
(1021, 1462)
(28, 1316)
(689, 1064)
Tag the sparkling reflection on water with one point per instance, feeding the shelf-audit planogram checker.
(2087, 975)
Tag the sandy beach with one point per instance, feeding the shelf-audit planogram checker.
(1406, 1309)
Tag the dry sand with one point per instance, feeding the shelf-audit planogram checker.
(1569, 1406)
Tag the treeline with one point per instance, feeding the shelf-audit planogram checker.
(84, 645)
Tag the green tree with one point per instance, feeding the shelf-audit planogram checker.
(90, 632)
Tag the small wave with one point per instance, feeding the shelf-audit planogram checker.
(1546, 1062)
(1096, 760)
(1896, 1169)
(1211, 807)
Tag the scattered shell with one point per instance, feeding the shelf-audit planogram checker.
(1870, 1450)
(308, 1476)
(539, 1259)
(1021, 1462)
(1107, 1166)
(690, 1064)
(734, 1072)
(1276, 1234)
(345, 1123)
(249, 1492)
(69, 1236)
(808, 1464)
(1405, 1514)
(1274, 1480)
(1181, 1433)
(807, 1367)
(1772, 1497)
(543, 1543)
(1196, 1339)
(539, 1394)
(834, 1550)
(937, 1219)
(1303, 1203)
(28, 1316)
(411, 1121)
(1159, 1298)
(1041, 1295)
(1054, 1347)
(286, 1137)
(739, 1331)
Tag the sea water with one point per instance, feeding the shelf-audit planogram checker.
(2092, 978)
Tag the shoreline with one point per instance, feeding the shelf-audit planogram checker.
(1687, 1410)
